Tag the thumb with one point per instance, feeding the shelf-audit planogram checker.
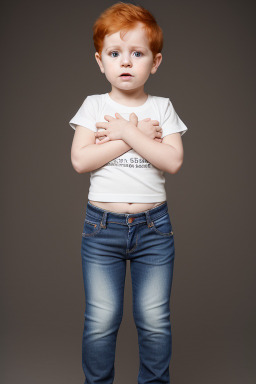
(133, 118)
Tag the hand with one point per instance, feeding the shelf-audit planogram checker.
(113, 129)
(151, 129)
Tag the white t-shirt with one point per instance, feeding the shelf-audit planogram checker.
(129, 177)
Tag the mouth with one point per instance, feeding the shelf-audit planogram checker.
(126, 75)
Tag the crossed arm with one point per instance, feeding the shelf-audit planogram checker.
(160, 153)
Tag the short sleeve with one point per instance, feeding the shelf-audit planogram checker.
(85, 116)
(171, 121)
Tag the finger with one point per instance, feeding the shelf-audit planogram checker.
(118, 116)
(101, 125)
(155, 122)
(133, 118)
(100, 133)
(98, 141)
(104, 140)
(101, 138)
(109, 118)
(147, 119)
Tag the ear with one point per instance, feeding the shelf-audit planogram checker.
(98, 59)
(156, 63)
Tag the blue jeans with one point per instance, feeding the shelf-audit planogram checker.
(108, 240)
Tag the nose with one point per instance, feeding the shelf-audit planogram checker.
(126, 60)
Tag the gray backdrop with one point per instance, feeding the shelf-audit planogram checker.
(48, 69)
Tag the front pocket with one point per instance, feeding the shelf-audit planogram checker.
(163, 226)
(90, 228)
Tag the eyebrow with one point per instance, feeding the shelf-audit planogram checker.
(118, 46)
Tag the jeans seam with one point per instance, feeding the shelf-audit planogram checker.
(91, 234)
(163, 234)
(135, 246)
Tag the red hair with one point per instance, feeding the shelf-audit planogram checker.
(123, 17)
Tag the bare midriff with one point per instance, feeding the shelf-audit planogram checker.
(125, 207)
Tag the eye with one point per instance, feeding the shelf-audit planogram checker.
(135, 52)
(114, 52)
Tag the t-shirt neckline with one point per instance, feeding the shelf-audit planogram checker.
(116, 104)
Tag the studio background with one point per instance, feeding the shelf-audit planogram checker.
(208, 72)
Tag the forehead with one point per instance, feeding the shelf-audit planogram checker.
(135, 36)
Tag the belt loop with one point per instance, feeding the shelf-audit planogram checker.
(149, 221)
(104, 220)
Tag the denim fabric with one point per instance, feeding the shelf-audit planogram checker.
(108, 240)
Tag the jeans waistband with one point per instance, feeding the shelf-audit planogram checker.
(130, 219)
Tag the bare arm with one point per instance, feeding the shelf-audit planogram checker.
(95, 156)
(87, 156)
(167, 156)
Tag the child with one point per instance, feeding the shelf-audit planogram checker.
(127, 215)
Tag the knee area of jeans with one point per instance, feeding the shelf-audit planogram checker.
(150, 316)
(108, 318)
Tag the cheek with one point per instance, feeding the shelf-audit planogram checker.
(110, 76)
(107, 64)
(144, 72)
(109, 73)
(110, 69)
(144, 68)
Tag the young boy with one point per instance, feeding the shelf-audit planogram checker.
(128, 91)
(126, 216)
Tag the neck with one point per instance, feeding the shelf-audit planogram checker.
(130, 96)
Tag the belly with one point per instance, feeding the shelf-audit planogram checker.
(124, 207)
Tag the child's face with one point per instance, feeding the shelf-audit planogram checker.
(131, 55)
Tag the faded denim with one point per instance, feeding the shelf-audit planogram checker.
(109, 239)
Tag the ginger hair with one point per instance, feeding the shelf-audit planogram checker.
(124, 17)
